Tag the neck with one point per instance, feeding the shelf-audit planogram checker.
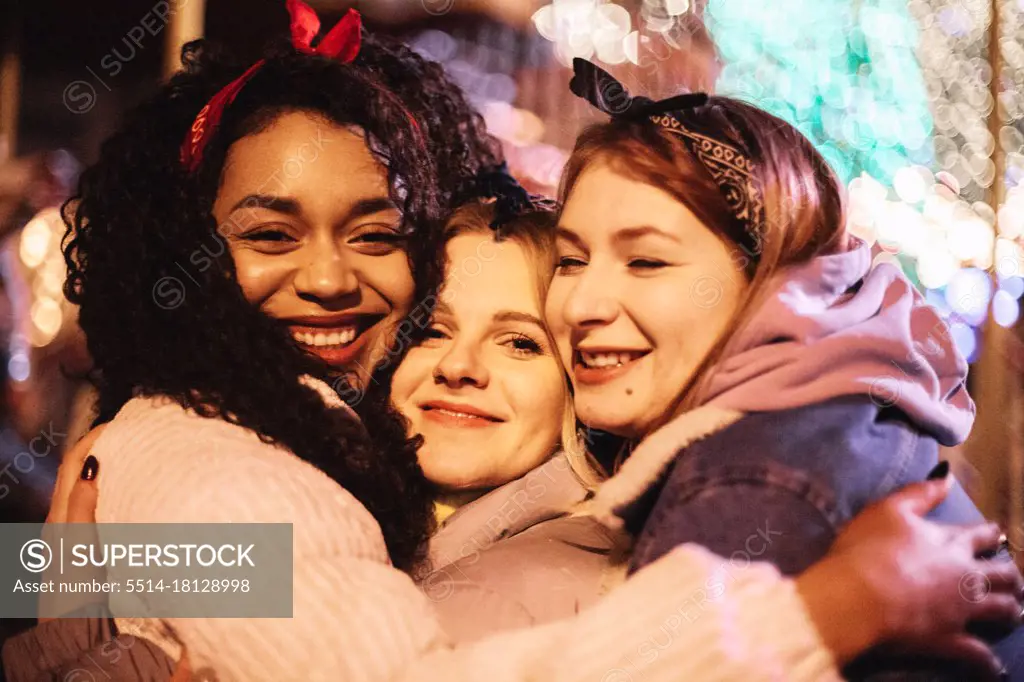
(450, 501)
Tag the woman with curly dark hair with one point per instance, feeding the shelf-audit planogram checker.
(225, 246)
(242, 252)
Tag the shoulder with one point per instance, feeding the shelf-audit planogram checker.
(160, 463)
(548, 572)
(842, 453)
(549, 491)
(843, 431)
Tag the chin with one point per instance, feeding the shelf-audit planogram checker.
(610, 420)
(447, 476)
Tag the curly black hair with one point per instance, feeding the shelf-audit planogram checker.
(455, 134)
(138, 221)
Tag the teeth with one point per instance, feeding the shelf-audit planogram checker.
(341, 337)
(601, 360)
(458, 414)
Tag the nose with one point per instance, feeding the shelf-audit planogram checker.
(325, 275)
(589, 302)
(461, 366)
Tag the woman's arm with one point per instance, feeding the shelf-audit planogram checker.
(891, 576)
(68, 474)
(691, 615)
(778, 486)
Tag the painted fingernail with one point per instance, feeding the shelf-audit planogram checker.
(941, 470)
(91, 468)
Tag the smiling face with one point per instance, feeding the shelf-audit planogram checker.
(485, 388)
(642, 293)
(315, 237)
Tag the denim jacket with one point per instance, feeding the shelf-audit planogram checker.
(778, 487)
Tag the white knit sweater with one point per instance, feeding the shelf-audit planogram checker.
(691, 616)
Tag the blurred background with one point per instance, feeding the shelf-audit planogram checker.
(918, 105)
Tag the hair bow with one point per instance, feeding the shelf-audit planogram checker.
(342, 43)
(510, 198)
(607, 94)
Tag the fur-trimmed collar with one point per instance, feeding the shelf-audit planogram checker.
(649, 460)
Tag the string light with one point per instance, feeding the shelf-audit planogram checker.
(585, 28)
(44, 272)
(897, 98)
(482, 68)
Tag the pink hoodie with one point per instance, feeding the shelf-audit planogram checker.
(810, 340)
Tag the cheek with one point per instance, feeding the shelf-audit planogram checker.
(261, 276)
(556, 323)
(538, 397)
(688, 326)
(415, 369)
(391, 277)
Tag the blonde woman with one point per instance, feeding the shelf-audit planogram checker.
(486, 390)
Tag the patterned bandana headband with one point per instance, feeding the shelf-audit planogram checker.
(731, 169)
(341, 43)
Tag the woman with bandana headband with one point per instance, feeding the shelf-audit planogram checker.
(768, 380)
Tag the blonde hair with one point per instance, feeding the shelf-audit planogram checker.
(804, 215)
(534, 231)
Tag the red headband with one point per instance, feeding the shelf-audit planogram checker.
(341, 43)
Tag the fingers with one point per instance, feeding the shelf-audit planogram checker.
(974, 660)
(69, 473)
(82, 502)
(1003, 576)
(921, 498)
(997, 608)
(183, 673)
(994, 605)
(984, 537)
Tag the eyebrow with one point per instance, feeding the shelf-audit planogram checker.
(290, 206)
(365, 207)
(516, 316)
(626, 234)
(640, 231)
(442, 308)
(568, 235)
(280, 204)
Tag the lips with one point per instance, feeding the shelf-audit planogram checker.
(458, 414)
(600, 365)
(336, 339)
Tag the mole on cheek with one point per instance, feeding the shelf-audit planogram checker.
(629, 391)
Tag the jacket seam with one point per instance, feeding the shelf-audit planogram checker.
(905, 453)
